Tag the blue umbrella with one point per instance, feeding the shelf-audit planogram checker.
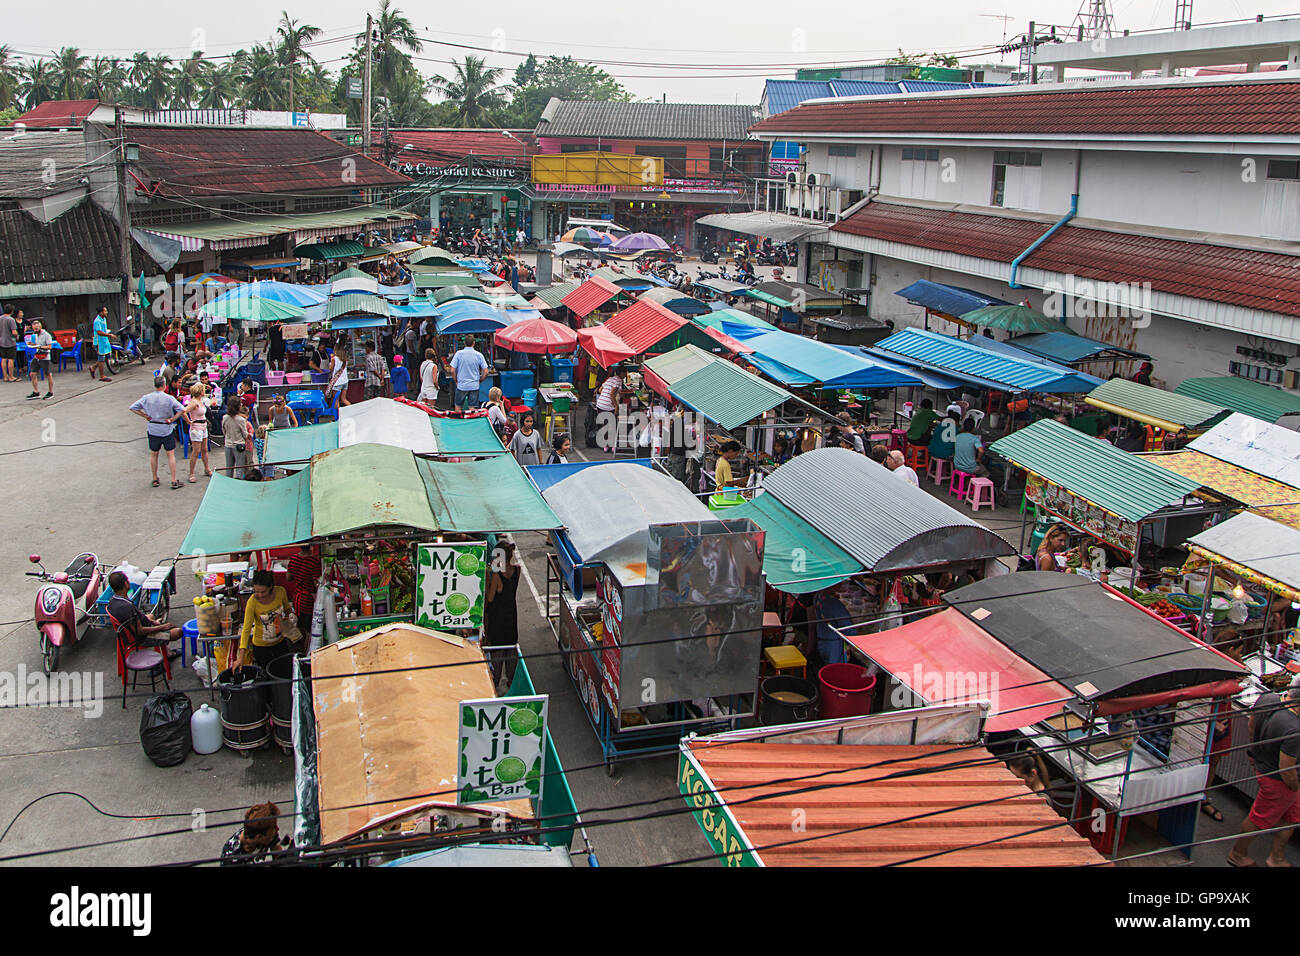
(301, 295)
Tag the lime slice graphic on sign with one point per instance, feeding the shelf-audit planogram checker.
(457, 604)
(467, 563)
(522, 722)
(511, 770)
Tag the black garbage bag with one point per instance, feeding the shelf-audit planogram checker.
(165, 728)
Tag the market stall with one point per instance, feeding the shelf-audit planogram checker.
(1121, 710)
(594, 293)
(1078, 351)
(1106, 495)
(1243, 395)
(354, 319)
(948, 302)
(659, 605)
(1168, 413)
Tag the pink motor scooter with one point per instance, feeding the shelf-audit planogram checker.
(65, 605)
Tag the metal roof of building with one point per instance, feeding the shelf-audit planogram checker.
(1118, 481)
(1155, 406)
(356, 302)
(590, 296)
(944, 353)
(885, 523)
(890, 805)
(1242, 395)
(1265, 449)
(614, 120)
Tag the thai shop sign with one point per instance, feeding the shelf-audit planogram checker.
(449, 585)
(720, 827)
(1081, 514)
(502, 749)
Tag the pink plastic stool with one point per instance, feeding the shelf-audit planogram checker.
(897, 439)
(957, 487)
(980, 494)
(940, 470)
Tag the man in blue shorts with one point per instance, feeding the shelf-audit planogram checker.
(161, 411)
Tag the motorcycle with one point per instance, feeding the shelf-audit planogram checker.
(124, 350)
(709, 255)
(65, 605)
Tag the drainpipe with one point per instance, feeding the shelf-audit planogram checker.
(1074, 209)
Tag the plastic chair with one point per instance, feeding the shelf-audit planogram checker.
(74, 353)
(976, 416)
(980, 494)
(183, 433)
(134, 660)
(957, 487)
(918, 458)
(940, 470)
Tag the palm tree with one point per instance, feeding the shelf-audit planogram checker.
(40, 83)
(472, 91)
(293, 38)
(70, 66)
(10, 76)
(220, 88)
(317, 85)
(137, 76)
(405, 103)
(190, 79)
(393, 30)
(156, 90)
(105, 79)
(261, 79)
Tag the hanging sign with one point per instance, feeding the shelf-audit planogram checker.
(450, 585)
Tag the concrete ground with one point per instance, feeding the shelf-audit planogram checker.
(68, 496)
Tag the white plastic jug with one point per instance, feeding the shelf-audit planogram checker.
(205, 728)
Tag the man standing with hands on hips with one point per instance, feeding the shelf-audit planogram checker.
(161, 411)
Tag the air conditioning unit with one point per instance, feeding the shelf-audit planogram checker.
(793, 193)
(816, 194)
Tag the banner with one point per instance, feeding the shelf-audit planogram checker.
(449, 581)
(502, 749)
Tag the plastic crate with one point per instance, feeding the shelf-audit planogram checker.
(513, 384)
(562, 370)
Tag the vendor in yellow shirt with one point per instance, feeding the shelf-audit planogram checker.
(722, 471)
(265, 643)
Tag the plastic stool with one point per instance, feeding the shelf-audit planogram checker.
(940, 470)
(786, 657)
(190, 632)
(980, 494)
(897, 439)
(918, 457)
(957, 487)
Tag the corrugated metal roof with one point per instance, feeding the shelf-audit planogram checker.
(674, 366)
(948, 299)
(441, 280)
(615, 120)
(727, 394)
(590, 296)
(450, 292)
(79, 245)
(1069, 348)
(644, 323)
(885, 523)
(1155, 405)
(553, 295)
(1242, 395)
(356, 302)
(792, 543)
(1265, 546)
(1122, 483)
(796, 360)
(889, 805)
(1268, 450)
(782, 95)
(946, 353)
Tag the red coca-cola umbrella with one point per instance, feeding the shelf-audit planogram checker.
(538, 336)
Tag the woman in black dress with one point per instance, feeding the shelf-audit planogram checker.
(500, 613)
(275, 347)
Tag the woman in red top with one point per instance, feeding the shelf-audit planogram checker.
(304, 576)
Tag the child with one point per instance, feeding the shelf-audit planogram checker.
(282, 415)
(196, 418)
(259, 445)
(401, 378)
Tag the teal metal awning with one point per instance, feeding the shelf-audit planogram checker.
(797, 558)
(300, 444)
(325, 251)
(1242, 395)
(356, 302)
(490, 494)
(239, 515)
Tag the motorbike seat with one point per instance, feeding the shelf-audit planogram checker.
(79, 572)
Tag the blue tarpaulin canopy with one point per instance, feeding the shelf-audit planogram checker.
(419, 309)
(1011, 351)
(979, 364)
(1069, 348)
(346, 322)
(936, 380)
(795, 360)
(948, 299)
(460, 316)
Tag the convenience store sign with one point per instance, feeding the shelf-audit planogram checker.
(720, 827)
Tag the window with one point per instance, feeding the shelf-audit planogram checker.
(1284, 169)
(838, 149)
(1017, 176)
(1281, 214)
(576, 148)
(919, 174)
(674, 157)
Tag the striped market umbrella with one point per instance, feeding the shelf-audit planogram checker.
(587, 236)
(253, 308)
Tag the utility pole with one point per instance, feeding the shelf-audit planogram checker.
(124, 214)
(365, 90)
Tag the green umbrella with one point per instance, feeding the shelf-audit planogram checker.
(140, 290)
(253, 308)
(1012, 318)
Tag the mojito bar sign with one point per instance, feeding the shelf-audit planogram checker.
(502, 749)
(449, 585)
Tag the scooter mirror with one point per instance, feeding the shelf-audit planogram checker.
(34, 558)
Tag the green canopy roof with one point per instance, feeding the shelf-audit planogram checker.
(448, 293)
(1155, 406)
(356, 302)
(362, 486)
(1122, 483)
(715, 319)
(253, 308)
(465, 436)
(797, 558)
(1242, 395)
(441, 280)
(430, 256)
(321, 251)
(553, 294)
(769, 298)
(725, 393)
(352, 272)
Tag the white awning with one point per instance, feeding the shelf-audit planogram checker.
(778, 225)
(382, 421)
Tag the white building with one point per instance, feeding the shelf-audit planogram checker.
(1186, 191)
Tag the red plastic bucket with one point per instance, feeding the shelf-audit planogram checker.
(846, 690)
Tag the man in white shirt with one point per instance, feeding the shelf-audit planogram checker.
(429, 378)
(898, 465)
(470, 368)
(605, 418)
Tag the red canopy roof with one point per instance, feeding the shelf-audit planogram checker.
(590, 296)
(947, 658)
(538, 336)
(604, 346)
(643, 324)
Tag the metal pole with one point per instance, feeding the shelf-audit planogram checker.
(365, 91)
(123, 213)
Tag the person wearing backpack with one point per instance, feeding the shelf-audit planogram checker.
(1274, 747)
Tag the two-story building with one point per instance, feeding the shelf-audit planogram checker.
(1161, 215)
(652, 167)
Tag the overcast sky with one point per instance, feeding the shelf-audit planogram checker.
(699, 48)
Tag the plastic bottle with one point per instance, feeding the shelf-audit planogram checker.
(367, 604)
(205, 728)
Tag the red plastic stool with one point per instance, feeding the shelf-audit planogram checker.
(940, 470)
(957, 487)
(897, 439)
(918, 458)
(980, 494)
